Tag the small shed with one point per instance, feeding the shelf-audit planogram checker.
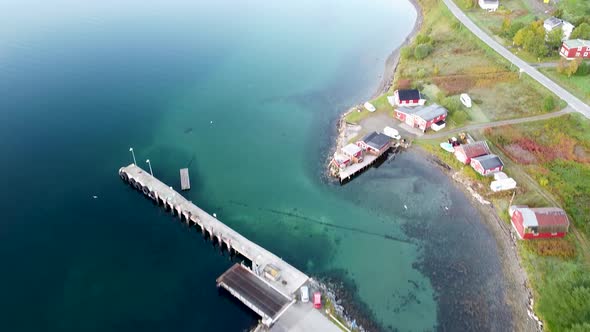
(503, 184)
(489, 5)
(341, 161)
(353, 152)
(487, 165)
(465, 152)
(535, 223)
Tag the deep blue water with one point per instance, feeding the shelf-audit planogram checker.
(245, 94)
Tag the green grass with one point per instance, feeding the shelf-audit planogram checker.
(562, 289)
(561, 148)
(380, 103)
(558, 269)
(462, 63)
(558, 153)
(578, 85)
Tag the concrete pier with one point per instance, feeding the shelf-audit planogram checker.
(269, 287)
(286, 279)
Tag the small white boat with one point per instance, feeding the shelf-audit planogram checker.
(447, 147)
(466, 100)
(369, 107)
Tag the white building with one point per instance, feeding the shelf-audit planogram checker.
(490, 5)
(553, 23)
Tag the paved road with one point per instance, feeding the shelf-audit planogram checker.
(574, 102)
(445, 134)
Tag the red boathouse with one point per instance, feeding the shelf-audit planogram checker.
(465, 152)
(487, 165)
(538, 223)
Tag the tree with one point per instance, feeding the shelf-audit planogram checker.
(532, 38)
(582, 31)
(572, 67)
(554, 39)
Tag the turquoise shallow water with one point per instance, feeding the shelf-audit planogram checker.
(245, 94)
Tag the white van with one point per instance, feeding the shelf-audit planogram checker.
(304, 294)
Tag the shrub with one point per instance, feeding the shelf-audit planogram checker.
(548, 103)
(406, 52)
(422, 51)
(581, 32)
(552, 247)
(423, 39)
(583, 69)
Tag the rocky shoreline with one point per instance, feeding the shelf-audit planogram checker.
(519, 295)
(345, 130)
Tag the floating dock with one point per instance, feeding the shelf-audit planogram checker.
(269, 287)
(185, 182)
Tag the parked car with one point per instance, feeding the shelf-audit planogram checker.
(304, 294)
(317, 300)
(393, 133)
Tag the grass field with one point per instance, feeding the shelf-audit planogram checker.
(380, 103)
(460, 63)
(556, 154)
(578, 85)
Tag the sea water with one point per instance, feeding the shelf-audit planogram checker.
(245, 94)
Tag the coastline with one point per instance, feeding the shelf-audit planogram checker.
(386, 81)
(518, 295)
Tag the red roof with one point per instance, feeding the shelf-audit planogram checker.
(474, 149)
(551, 216)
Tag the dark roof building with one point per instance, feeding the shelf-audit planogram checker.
(488, 164)
(409, 94)
(406, 98)
(375, 142)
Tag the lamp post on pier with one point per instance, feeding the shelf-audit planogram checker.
(133, 154)
(148, 162)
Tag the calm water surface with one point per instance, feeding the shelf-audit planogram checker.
(245, 94)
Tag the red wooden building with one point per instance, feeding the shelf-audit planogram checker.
(465, 152)
(422, 117)
(406, 98)
(487, 165)
(575, 48)
(375, 143)
(538, 223)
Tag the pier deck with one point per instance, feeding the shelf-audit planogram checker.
(351, 170)
(290, 278)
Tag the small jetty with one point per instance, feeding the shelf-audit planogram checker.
(371, 149)
(269, 287)
(185, 182)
